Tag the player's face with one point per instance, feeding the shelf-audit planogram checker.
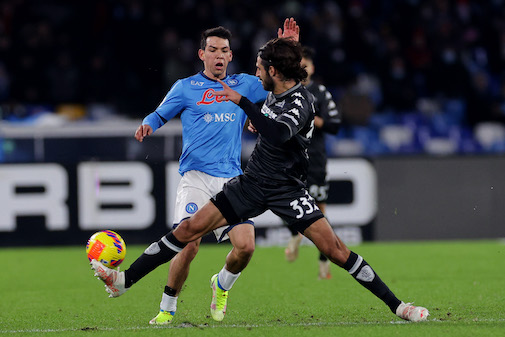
(309, 67)
(262, 73)
(215, 57)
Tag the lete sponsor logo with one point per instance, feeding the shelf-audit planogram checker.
(209, 98)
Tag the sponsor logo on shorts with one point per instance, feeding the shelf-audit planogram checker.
(191, 208)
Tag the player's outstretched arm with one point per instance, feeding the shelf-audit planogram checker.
(143, 131)
(291, 30)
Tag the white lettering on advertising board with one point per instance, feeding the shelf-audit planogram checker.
(101, 184)
(119, 195)
(48, 196)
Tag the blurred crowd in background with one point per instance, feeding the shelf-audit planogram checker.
(434, 61)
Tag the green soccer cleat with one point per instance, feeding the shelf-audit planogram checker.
(219, 299)
(163, 318)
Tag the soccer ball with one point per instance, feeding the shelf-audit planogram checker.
(107, 247)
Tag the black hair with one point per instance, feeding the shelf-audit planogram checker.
(217, 31)
(285, 56)
(308, 53)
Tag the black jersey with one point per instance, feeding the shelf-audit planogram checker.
(281, 160)
(327, 110)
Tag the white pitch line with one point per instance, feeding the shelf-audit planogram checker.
(187, 325)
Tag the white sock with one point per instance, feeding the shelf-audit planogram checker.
(168, 303)
(226, 279)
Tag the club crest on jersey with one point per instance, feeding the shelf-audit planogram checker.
(232, 81)
(208, 97)
(191, 208)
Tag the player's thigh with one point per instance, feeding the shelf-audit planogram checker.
(205, 220)
(295, 206)
(328, 243)
(242, 237)
(193, 192)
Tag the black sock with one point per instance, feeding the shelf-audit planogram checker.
(170, 291)
(155, 255)
(322, 257)
(366, 276)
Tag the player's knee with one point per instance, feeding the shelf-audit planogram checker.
(186, 231)
(249, 248)
(246, 249)
(192, 249)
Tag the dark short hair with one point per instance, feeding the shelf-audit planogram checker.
(308, 53)
(217, 31)
(284, 55)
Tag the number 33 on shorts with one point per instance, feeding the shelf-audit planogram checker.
(304, 205)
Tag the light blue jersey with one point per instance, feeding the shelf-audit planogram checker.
(211, 126)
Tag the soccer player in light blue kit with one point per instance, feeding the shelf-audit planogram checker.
(212, 129)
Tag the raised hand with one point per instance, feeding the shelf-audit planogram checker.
(291, 30)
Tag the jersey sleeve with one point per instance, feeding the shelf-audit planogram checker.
(172, 104)
(328, 111)
(256, 92)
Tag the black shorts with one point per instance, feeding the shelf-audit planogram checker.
(318, 186)
(244, 197)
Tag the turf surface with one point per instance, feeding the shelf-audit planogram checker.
(52, 292)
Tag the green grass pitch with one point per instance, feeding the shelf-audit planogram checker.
(52, 292)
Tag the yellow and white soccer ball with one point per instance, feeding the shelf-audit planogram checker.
(107, 247)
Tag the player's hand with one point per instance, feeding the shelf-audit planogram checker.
(142, 132)
(228, 93)
(251, 128)
(291, 30)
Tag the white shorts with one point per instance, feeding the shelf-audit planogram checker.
(194, 190)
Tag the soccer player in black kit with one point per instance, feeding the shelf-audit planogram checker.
(326, 120)
(273, 179)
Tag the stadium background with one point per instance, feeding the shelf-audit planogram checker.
(421, 85)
